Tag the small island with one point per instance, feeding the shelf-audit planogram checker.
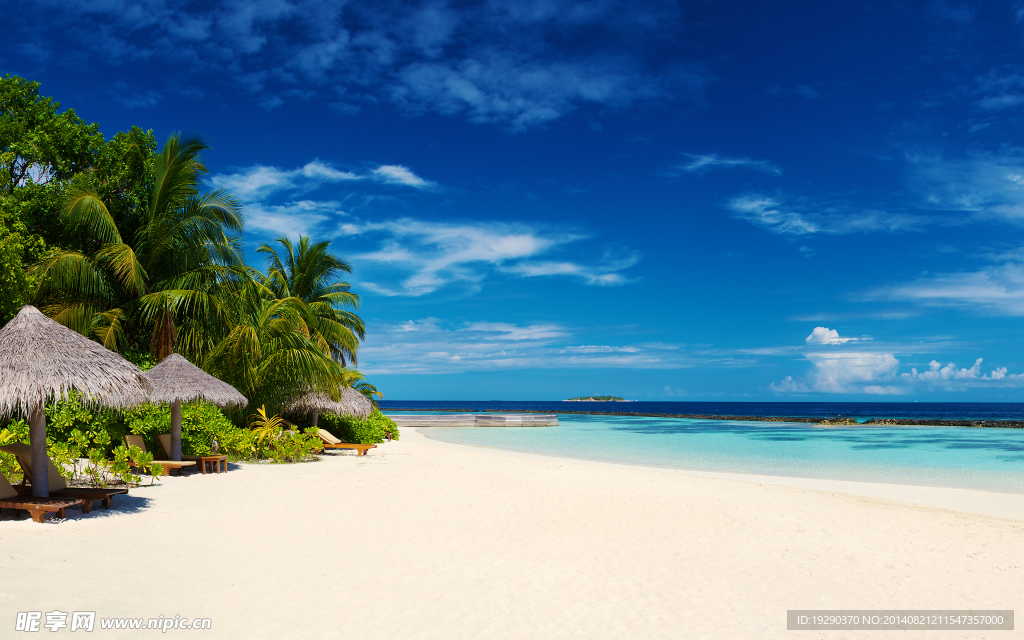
(596, 399)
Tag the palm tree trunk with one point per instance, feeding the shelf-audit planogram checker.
(175, 451)
(40, 463)
(316, 417)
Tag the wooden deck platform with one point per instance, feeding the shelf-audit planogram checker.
(476, 420)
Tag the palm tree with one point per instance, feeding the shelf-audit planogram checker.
(357, 382)
(312, 274)
(154, 274)
(267, 352)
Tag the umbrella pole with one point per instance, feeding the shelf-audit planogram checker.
(41, 464)
(175, 451)
(316, 417)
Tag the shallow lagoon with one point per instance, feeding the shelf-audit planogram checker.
(963, 457)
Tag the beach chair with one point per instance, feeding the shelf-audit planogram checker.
(58, 488)
(167, 465)
(330, 442)
(37, 507)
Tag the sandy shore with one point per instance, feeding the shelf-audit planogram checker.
(426, 540)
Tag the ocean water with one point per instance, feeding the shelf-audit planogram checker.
(859, 410)
(963, 457)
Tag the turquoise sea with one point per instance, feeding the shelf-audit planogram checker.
(964, 457)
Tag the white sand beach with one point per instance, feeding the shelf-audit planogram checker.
(426, 540)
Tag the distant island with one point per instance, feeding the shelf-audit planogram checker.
(597, 399)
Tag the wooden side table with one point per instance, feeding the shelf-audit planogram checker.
(217, 462)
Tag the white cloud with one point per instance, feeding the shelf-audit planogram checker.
(488, 61)
(605, 273)
(293, 219)
(522, 93)
(802, 219)
(430, 346)
(949, 372)
(984, 185)
(439, 253)
(824, 335)
(1001, 88)
(994, 290)
(509, 331)
(259, 181)
(704, 163)
(397, 174)
(409, 256)
(877, 373)
(848, 372)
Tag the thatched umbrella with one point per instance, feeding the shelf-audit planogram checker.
(41, 360)
(176, 380)
(352, 403)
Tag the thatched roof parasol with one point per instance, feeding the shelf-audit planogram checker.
(176, 380)
(352, 403)
(355, 404)
(41, 360)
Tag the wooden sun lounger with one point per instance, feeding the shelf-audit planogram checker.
(37, 507)
(167, 465)
(58, 489)
(330, 442)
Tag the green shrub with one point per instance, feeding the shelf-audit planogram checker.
(389, 426)
(201, 424)
(88, 444)
(372, 430)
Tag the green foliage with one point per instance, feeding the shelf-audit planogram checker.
(83, 457)
(266, 429)
(141, 359)
(18, 249)
(201, 425)
(311, 274)
(153, 254)
(267, 353)
(16, 431)
(347, 428)
(387, 424)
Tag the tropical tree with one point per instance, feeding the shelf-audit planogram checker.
(41, 151)
(312, 274)
(357, 381)
(146, 271)
(267, 352)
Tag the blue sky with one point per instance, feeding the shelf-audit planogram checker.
(664, 201)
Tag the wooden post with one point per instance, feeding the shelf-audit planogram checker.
(40, 463)
(315, 418)
(175, 451)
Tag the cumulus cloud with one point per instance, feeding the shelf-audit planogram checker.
(847, 372)
(489, 62)
(701, 164)
(877, 373)
(824, 335)
(805, 218)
